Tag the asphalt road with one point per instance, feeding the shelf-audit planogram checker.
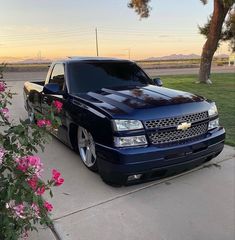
(196, 205)
(34, 76)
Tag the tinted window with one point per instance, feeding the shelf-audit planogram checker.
(93, 76)
(57, 75)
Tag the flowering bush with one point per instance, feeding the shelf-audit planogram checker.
(21, 185)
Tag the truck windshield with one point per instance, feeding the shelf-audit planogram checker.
(93, 76)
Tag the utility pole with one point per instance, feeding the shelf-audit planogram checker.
(129, 52)
(96, 38)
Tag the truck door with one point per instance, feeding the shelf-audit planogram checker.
(57, 76)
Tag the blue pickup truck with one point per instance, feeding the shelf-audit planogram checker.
(124, 124)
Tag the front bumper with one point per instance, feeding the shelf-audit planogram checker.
(115, 165)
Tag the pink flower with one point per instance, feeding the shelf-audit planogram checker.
(5, 112)
(56, 177)
(34, 161)
(40, 190)
(48, 122)
(2, 153)
(33, 182)
(58, 105)
(19, 210)
(48, 206)
(55, 174)
(22, 164)
(32, 164)
(25, 235)
(36, 210)
(43, 123)
(59, 181)
(2, 86)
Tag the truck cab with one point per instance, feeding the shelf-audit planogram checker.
(125, 124)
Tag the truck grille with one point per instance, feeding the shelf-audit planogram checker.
(164, 131)
(175, 135)
(175, 121)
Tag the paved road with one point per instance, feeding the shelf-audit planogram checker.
(172, 71)
(34, 76)
(197, 205)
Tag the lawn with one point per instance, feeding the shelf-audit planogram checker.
(222, 91)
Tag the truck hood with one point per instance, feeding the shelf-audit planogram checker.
(124, 100)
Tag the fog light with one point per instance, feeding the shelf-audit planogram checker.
(134, 177)
(213, 124)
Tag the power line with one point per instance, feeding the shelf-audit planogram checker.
(105, 30)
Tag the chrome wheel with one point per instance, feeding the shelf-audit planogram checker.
(86, 147)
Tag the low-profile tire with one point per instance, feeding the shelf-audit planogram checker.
(86, 148)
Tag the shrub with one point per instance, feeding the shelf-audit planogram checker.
(22, 205)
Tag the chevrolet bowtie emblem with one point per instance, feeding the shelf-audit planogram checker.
(184, 126)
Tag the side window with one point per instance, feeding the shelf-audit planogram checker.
(57, 75)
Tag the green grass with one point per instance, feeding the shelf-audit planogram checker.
(222, 91)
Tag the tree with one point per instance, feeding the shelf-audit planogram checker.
(214, 34)
(220, 27)
(229, 32)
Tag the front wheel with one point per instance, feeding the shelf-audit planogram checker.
(86, 147)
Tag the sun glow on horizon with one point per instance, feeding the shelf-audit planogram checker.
(68, 29)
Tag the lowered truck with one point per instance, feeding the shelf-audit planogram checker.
(124, 124)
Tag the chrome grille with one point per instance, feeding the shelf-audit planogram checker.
(175, 135)
(175, 121)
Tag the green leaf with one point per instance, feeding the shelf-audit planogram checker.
(51, 194)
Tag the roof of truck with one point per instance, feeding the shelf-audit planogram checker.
(78, 58)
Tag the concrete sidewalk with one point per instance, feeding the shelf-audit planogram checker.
(196, 205)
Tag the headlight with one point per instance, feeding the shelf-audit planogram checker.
(130, 141)
(125, 125)
(213, 124)
(213, 110)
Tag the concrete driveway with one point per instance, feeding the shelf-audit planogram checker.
(196, 205)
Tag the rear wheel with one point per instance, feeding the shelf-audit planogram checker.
(86, 147)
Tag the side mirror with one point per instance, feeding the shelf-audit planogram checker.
(52, 88)
(158, 82)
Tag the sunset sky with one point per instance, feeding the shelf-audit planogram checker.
(60, 28)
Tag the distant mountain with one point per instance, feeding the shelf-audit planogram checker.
(9, 59)
(181, 57)
(35, 60)
(222, 56)
(174, 57)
